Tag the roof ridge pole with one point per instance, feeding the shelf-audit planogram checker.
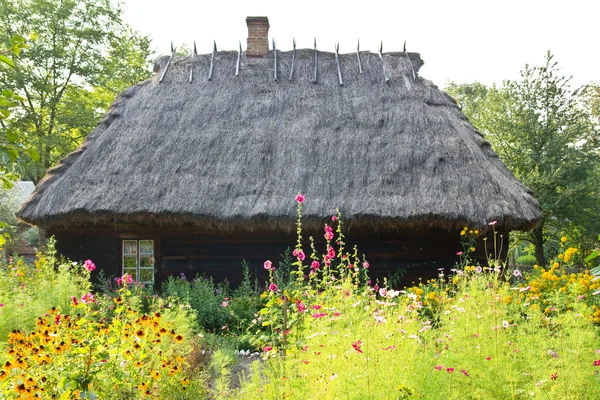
(274, 61)
(173, 50)
(337, 60)
(316, 61)
(385, 74)
(237, 65)
(410, 61)
(358, 56)
(293, 59)
(212, 59)
(194, 54)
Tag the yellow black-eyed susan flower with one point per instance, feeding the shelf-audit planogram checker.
(178, 338)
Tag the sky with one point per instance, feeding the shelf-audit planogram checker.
(461, 41)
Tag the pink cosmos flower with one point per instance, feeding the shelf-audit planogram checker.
(1, 304)
(439, 367)
(74, 299)
(492, 223)
(224, 304)
(268, 265)
(596, 363)
(336, 314)
(300, 198)
(273, 287)
(488, 358)
(464, 372)
(505, 324)
(88, 298)
(517, 273)
(89, 265)
(459, 253)
(450, 370)
(478, 270)
(301, 306)
(315, 265)
(57, 319)
(316, 306)
(319, 315)
(356, 346)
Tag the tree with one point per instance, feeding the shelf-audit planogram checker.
(80, 56)
(540, 131)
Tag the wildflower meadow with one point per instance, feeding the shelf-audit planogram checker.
(321, 330)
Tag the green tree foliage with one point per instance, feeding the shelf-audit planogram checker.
(80, 56)
(540, 129)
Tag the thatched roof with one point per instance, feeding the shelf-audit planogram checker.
(234, 151)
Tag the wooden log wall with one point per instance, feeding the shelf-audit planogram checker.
(220, 254)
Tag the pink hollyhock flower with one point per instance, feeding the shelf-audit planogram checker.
(356, 346)
(439, 367)
(224, 304)
(88, 298)
(596, 363)
(268, 265)
(295, 252)
(74, 299)
(316, 306)
(301, 255)
(464, 372)
(267, 349)
(334, 218)
(336, 314)
(300, 198)
(450, 370)
(273, 287)
(89, 265)
(366, 265)
(315, 265)
(328, 235)
(57, 319)
(1, 304)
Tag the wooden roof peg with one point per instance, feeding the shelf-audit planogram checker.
(385, 74)
(212, 60)
(274, 62)
(337, 60)
(316, 62)
(239, 58)
(194, 54)
(293, 59)
(410, 61)
(173, 50)
(358, 57)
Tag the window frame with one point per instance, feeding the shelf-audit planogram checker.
(154, 256)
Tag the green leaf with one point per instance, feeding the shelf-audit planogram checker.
(11, 136)
(2, 240)
(266, 323)
(81, 321)
(35, 156)
(7, 61)
(593, 255)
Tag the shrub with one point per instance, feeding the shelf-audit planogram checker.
(526, 259)
(29, 290)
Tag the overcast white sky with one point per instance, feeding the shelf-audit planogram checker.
(459, 40)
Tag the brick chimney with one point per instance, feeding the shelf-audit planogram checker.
(258, 36)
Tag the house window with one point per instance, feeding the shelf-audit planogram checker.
(138, 260)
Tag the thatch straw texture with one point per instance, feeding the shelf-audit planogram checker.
(234, 151)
